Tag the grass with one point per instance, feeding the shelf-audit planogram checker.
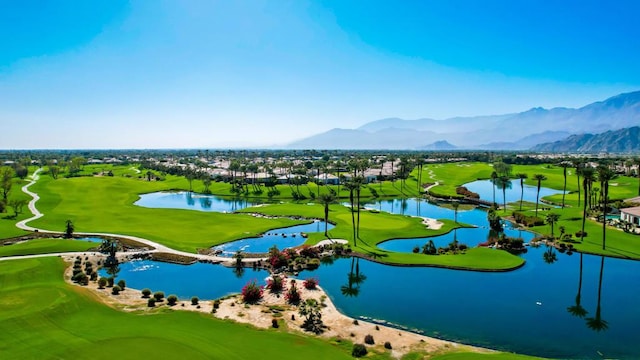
(8, 219)
(105, 204)
(42, 317)
(46, 246)
(376, 227)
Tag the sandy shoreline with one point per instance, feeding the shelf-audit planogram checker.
(261, 315)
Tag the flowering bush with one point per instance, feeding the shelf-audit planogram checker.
(310, 283)
(251, 292)
(275, 284)
(308, 251)
(278, 259)
(292, 295)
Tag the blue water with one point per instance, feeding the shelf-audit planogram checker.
(522, 311)
(292, 237)
(484, 188)
(91, 239)
(206, 281)
(193, 201)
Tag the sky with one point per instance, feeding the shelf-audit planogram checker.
(216, 74)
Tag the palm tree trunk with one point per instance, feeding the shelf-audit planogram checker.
(578, 174)
(358, 199)
(564, 190)
(537, 197)
(521, 192)
(604, 214)
(584, 212)
(326, 219)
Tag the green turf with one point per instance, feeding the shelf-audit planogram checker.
(41, 317)
(8, 219)
(46, 246)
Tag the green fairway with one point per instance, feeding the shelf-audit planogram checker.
(105, 204)
(46, 246)
(8, 219)
(42, 317)
(450, 176)
(377, 227)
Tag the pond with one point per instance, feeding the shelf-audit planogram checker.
(282, 238)
(193, 201)
(484, 188)
(526, 311)
(206, 281)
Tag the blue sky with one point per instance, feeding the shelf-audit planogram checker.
(165, 74)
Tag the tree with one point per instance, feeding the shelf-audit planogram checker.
(494, 176)
(605, 174)
(69, 228)
(206, 181)
(578, 166)
(351, 186)
(539, 178)
(522, 177)
(326, 199)
(637, 162)
(455, 205)
(503, 183)
(310, 309)
(551, 220)
(6, 181)
(564, 165)
(597, 323)
(588, 176)
(17, 205)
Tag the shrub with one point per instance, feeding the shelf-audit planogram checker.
(194, 300)
(359, 350)
(274, 323)
(416, 249)
(102, 282)
(80, 278)
(115, 290)
(110, 281)
(310, 283)
(292, 295)
(309, 251)
(171, 300)
(146, 293)
(252, 293)
(387, 345)
(275, 284)
(158, 295)
(579, 234)
(369, 340)
(94, 276)
(313, 263)
(151, 302)
(122, 284)
(216, 304)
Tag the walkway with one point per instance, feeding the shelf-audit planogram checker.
(152, 244)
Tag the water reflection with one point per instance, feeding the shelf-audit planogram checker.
(194, 201)
(597, 323)
(354, 280)
(577, 309)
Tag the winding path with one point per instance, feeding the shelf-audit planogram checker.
(152, 244)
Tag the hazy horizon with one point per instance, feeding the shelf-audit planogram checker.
(174, 75)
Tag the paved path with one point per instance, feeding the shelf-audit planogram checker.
(152, 244)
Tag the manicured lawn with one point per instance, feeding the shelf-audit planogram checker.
(8, 219)
(377, 227)
(46, 246)
(105, 204)
(451, 175)
(41, 317)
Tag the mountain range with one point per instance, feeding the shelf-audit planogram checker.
(517, 131)
(619, 141)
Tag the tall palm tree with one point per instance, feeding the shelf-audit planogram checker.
(539, 178)
(503, 183)
(577, 309)
(578, 165)
(588, 176)
(494, 176)
(597, 323)
(605, 174)
(551, 220)
(522, 177)
(359, 182)
(637, 162)
(349, 185)
(326, 199)
(564, 165)
(455, 205)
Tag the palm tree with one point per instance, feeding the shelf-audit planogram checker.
(577, 309)
(326, 199)
(578, 165)
(637, 162)
(494, 176)
(597, 323)
(521, 176)
(455, 205)
(503, 183)
(551, 220)
(564, 165)
(587, 179)
(539, 178)
(604, 176)
(359, 182)
(351, 186)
